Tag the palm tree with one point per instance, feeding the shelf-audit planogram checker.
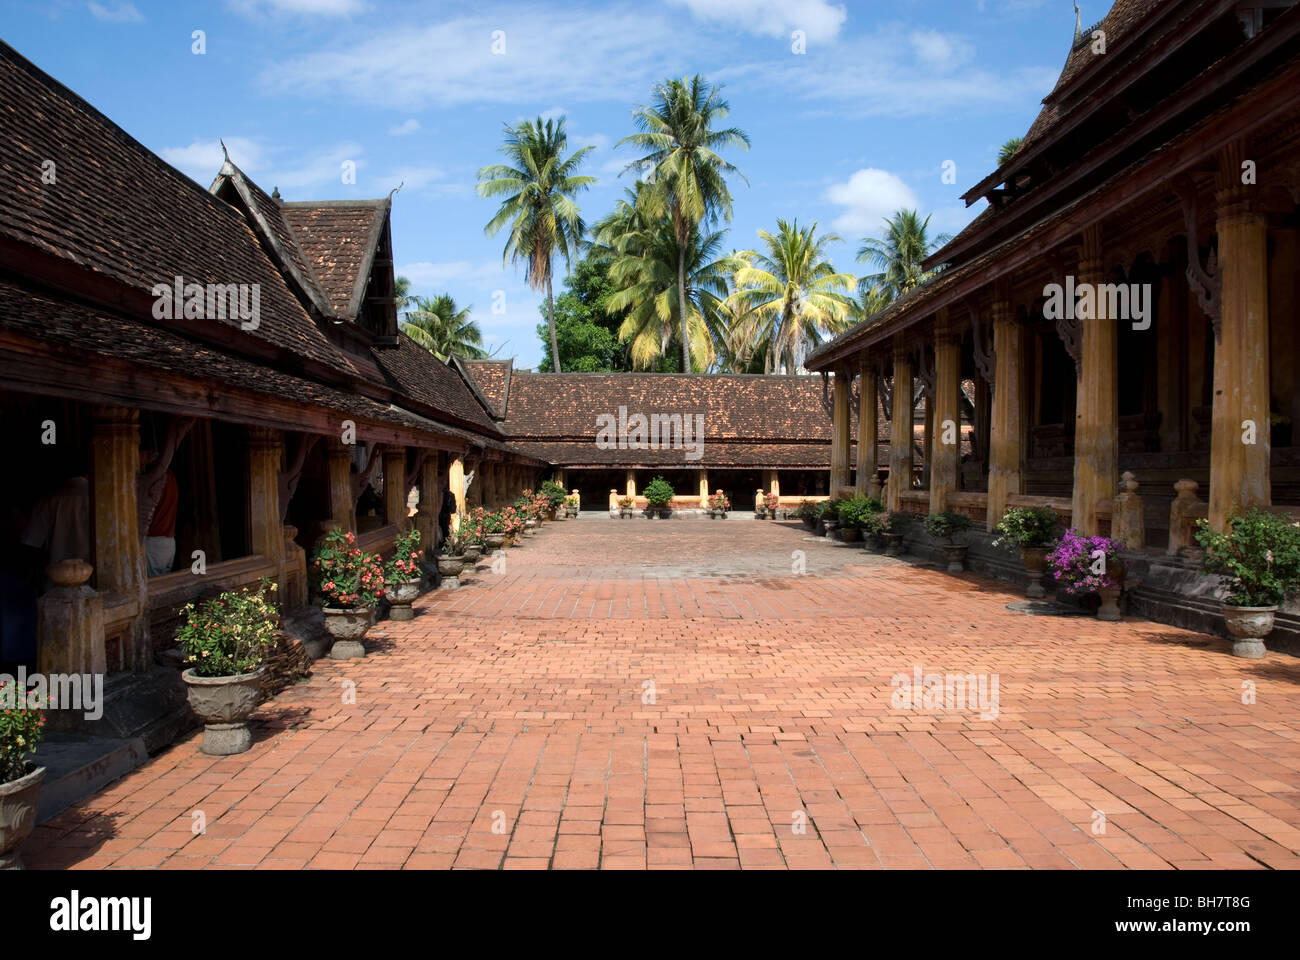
(539, 184)
(900, 254)
(401, 294)
(1008, 150)
(683, 166)
(871, 300)
(645, 277)
(793, 291)
(444, 329)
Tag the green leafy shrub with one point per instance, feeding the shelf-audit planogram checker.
(855, 512)
(828, 510)
(1028, 527)
(554, 494)
(808, 510)
(22, 727)
(231, 634)
(658, 492)
(405, 564)
(945, 526)
(347, 577)
(1257, 559)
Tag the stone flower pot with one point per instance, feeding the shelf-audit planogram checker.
(530, 528)
(955, 554)
(1035, 561)
(449, 568)
(830, 526)
(1248, 626)
(18, 815)
(494, 541)
(347, 625)
(625, 513)
(224, 704)
(1109, 609)
(473, 553)
(893, 544)
(850, 534)
(665, 513)
(400, 597)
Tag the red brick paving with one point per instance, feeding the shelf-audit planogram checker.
(511, 726)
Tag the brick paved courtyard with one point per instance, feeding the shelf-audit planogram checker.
(630, 694)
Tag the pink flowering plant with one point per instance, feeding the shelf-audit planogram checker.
(22, 726)
(1257, 559)
(405, 564)
(719, 501)
(771, 501)
(348, 578)
(231, 634)
(1076, 560)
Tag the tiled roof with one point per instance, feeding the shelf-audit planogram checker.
(492, 380)
(769, 455)
(419, 374)
(338, 239)
(118, 210)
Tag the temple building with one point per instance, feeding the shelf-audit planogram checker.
(1126, 303)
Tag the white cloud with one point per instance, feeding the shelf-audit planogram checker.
(402, 129)
(568, 53)
(115, 12)
(322, 8)
(313, 170)
(940, 51)
(820, 21)
(869, 196)
(202, 158)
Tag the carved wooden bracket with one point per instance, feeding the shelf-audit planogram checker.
(422, 454)
(1205, 282)
(150, 483)
(1068, 329)
(289, 478)
(925, 373)
(886, 389)
(985, 357)
(362, 479)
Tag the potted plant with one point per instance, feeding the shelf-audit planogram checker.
(571, 506)
(773, 503)
(555, 496)
(350, 584)
(402, 576)
(658, 495)
(1034, 530)
(1257, 561)
(451, 562)
(873, 530)
(22, 726)
(1090, 565)
(891, 530)
(626, 507)
(719, 504)
(945, 526)
(808, 513)
(852, 515)
(225, 640)
(828, 519)
(493, 527)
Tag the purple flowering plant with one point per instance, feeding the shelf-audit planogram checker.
(1074, 561)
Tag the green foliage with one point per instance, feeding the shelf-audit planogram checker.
(828, 510)
(1009, 150)
(900, 254)
(658, 492)
(229, 635)
(586, 329)
(855, 512)
(443, 328)
(946, 525)
(405, 564)
(554, 494)
(1028, 527)
(347, 577)
(22, 727)
(1257, 559)
(808, 510)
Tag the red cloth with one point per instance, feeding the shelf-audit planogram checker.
(164, 516)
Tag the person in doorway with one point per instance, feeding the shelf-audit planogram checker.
(59, 526)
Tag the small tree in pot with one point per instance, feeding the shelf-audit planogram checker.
(659, 494)
(402, 576)
(1034, 530)
(451, 563)
(808, 513)
(555, 496)
(225, 641)
(719, 505)
(945, 526)
(351, 583)
(827, 519)
(853, 516)
(893, 524)
(1257, 561)
(22, 725)
(626, 507)
(772, 502)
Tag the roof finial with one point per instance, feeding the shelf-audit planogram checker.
(1078, 22)
(224, 152)
(394, 190)
(275, 193)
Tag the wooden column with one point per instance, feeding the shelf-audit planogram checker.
(868, 427)
(395, 486)
(343, 509)
(704, 489)
(426, 514)
(840, 417)
(1239, 439)
(1006, 431)
(1096, 431)
(456, 484)
(900, 430)
(946, 421)
(631, 484)
(119, 551)
(266, 531)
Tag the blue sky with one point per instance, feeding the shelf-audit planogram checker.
(859, 124)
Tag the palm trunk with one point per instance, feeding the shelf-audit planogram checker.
(681, 306)
(550, 322)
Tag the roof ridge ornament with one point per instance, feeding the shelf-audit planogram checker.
(1078, 23)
